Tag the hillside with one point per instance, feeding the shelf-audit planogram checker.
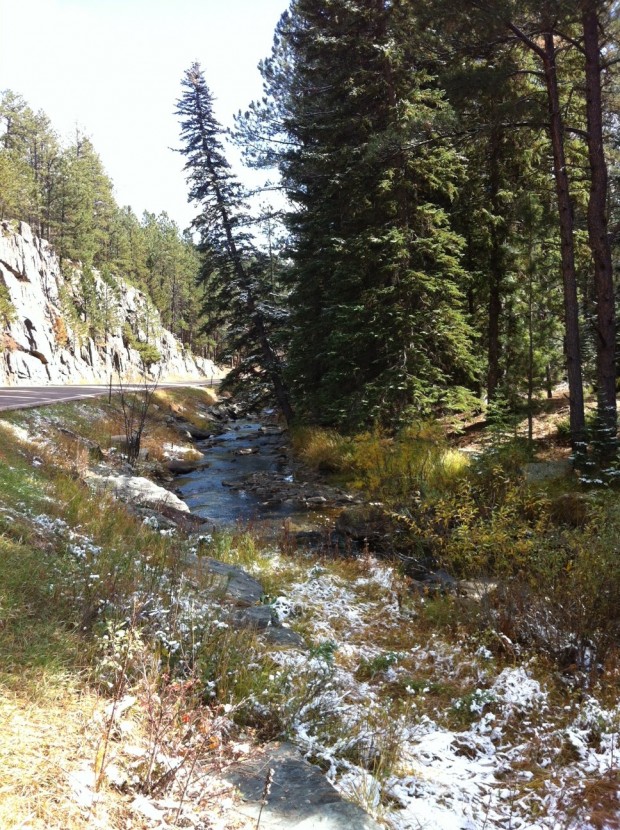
(73, 325)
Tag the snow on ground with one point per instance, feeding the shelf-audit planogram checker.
(501, 753)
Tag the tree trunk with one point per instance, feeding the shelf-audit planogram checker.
(565, 210)
(572, 345)
(598, 237)
(496, 273)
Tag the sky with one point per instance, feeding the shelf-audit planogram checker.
(113, 68)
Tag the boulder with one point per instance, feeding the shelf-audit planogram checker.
(179, 466)
(235, 583)
(300, 796)
(135, 490)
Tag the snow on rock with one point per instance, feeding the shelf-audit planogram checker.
(136, 490)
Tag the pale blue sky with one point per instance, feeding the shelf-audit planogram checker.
(114, 68)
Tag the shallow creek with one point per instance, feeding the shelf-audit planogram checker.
(244, 449)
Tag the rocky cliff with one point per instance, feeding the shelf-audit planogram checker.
(46, 335)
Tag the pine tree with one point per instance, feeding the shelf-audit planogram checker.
(86, 205)
(529, 29)
(595, 22)
(234, 271)
(377, 286)
(29, 159)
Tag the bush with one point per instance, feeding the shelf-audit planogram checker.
(324, 450)
(557, 584)
(415, 463)
(149, 354)
(7, 309)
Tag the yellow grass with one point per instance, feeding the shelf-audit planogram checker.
(47, 735)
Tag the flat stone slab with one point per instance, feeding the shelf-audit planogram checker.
(279, 635)
(301, 798)
(235, 583)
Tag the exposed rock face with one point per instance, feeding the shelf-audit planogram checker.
(40, 346)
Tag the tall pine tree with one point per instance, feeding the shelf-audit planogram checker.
(234, 271)
(379, 330)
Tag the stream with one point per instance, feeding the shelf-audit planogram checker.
(245, 476)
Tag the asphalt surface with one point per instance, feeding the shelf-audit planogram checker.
(23, 397)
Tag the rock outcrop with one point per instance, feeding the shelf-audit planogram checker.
(46, 342)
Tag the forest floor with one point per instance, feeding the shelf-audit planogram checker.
(547, 422)
(126, 694)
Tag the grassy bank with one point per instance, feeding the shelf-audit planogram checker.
(507, 515)
(103, 631)
(125, 691)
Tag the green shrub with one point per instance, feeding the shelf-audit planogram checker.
(149, 354)
(368, 669)
(7, 309)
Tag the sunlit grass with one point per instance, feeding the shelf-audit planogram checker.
(416, 461)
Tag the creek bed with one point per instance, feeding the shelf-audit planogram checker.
(221, 491)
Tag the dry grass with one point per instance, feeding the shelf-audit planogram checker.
(324, 450)
(187, 402)
(47, 735)
(59, 328)
(98, 420)
(601, 798)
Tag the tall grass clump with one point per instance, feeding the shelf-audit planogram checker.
(415, 462)
(324, 450)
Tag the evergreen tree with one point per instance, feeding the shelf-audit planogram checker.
(29, 154)
(531, 31)
(379, 329)
(596, 18)
(67, 197)
(500, 113)
(86, 205)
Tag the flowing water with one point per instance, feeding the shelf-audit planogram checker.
(206, 495)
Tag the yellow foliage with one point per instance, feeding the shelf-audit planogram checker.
(322, 449)
(389, 468)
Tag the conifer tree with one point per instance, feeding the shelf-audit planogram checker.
(66, 196)
(234, 270)
(29, 157)
(483, 31)
(379, 330)
(86, 205)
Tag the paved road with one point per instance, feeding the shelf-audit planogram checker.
(22, 397)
